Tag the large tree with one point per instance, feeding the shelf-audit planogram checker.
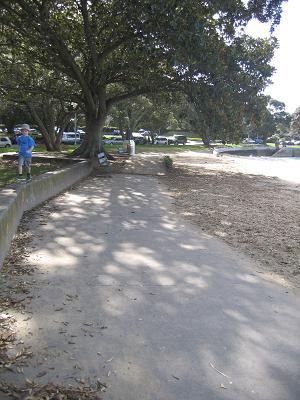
(49, 98)
(270, 118)
(114, 50)
(295, 123)
(11, 114)
(129, 114)
(221, 106)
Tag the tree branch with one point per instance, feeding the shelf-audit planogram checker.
(124, 96)
(88, 31)
(59, 46)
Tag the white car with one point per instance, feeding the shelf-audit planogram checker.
(296, 142)
(70, 138)
(113, 139)
(161, 140)
(5, 142)
(249, 141)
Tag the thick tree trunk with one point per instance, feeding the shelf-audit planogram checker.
(46, 119)
(10, 128)
(128, 134)
(206, 136)
(92, 143)
(152, 137)
(48, 137)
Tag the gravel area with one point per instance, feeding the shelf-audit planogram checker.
(257, 215)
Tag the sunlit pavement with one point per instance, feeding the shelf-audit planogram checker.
(129, 293)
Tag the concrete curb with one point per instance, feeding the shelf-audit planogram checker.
(254, 151)
(287, 152)
(41, 157)
(15, 199)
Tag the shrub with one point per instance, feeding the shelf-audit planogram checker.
(168, 162)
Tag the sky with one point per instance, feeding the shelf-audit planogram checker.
(286, 86)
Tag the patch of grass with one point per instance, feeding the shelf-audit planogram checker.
(68, 148)
(156, 148)
(196, 139)
(294, 146)
(7, 149)
(8, 173)
(65, 148)
(230, 145)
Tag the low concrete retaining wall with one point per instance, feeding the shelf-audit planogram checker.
(287, 152)
(48, 158)
(255, 151)
(15, 199)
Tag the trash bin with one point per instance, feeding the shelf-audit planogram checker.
(130, 147)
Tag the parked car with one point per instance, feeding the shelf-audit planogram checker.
(138, 138)
(258, 141)
(113, 139)
(172, 140)
(161, 140)
(71, 138)
(286, 142)
(249, 141)
(180, 139)
(5, 142)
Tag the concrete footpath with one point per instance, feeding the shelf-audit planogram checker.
(129, 293)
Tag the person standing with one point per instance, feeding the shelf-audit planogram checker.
(26, 145)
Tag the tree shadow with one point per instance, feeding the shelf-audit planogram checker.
(129, 292)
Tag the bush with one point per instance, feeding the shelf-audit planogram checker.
(168, 162)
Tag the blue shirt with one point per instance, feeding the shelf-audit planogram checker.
(25, 142)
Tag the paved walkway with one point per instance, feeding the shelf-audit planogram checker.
(129, 293)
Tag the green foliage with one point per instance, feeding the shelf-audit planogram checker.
(270, 118)
(295, 123)
(168, 162)
(104, 52)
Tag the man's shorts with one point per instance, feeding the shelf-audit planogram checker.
(24, 160)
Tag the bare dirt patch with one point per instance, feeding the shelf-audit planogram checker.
(255, 214)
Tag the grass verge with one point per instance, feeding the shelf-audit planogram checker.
(156, 148)
(8, 173)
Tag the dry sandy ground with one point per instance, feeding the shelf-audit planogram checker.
(258, 215)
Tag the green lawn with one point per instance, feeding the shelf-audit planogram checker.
(7, 149)
(8, 174)
(295, 146)
(156, 148)
(14, 149)
(39, 149)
